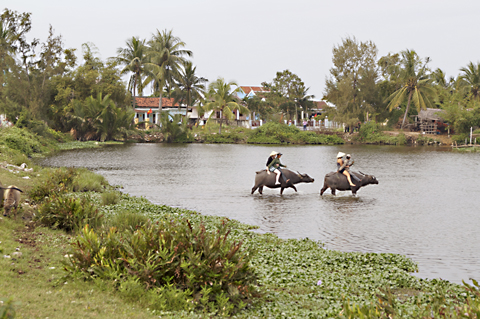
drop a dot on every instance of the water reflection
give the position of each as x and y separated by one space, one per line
424 206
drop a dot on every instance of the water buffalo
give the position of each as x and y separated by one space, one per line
262 178
334 181
12 199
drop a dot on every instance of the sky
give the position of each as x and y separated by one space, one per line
249 41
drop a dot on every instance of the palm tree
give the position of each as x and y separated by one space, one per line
222 99
416 85
470 80
167 53
134 59
304 100
190 85
99 118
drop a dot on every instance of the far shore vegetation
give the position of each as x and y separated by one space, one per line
50 89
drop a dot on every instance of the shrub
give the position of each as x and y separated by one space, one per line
55 182
371 133
166 298
68 213
25 142
63 180
277 133
110 198
206 265
461 138
85 181
127 220
308 137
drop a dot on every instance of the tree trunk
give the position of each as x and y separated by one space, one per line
134 89
408 107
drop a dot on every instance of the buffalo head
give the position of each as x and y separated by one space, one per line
372 179
305 178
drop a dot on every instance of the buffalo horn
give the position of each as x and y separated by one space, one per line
362 173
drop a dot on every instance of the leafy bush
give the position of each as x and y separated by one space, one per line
308 137
174 129
63 180
166 298
371 133
206 265
68 213
425 140
460 138
54 182
277 133
85 181
25 142
127 220
110 198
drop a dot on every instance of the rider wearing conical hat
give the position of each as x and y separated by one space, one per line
274 166
343 168
272 155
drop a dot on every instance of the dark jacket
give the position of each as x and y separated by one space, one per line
269 160
275 163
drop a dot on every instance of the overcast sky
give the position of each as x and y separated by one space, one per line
249 41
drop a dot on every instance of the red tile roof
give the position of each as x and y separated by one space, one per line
152 102
248 89
320 104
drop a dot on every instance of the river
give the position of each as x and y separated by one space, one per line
425 205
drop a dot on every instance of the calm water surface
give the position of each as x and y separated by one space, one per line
425 206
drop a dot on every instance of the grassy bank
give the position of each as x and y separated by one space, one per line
177 263
269 133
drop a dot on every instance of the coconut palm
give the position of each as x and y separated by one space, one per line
221 98
167 53
304 100
134 59
99 118
416 84
191 88
470 80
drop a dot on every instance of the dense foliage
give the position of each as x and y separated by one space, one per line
277 133
363 87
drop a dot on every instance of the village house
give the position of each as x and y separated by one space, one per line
430 121
249 91
147 109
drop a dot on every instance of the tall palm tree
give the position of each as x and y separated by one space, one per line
221 98
191 86
135 61
470 80
303 99
167 52
99 118
416 84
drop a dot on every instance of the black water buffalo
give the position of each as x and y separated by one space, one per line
334 181
262 178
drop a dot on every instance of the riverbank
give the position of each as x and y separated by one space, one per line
296 278
277 133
